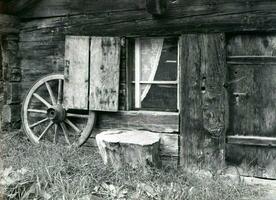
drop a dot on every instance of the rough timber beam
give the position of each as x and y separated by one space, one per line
15 6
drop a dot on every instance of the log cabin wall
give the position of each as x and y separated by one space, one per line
10 77
46 23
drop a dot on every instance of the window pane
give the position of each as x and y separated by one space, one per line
158 59
161 97
167 68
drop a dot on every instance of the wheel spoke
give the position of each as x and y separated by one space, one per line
37 111
39 122
53 99
76 115
39 128
64 129
59 91
45 130
55 135
42 100
73 125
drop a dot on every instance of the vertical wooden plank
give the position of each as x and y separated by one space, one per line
213 76
104 73
252 102
202 100
137 74
76 72
130 65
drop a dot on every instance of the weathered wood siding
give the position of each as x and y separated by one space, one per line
43 53
252 100
47 22
76 72
104 73
122 17
203 103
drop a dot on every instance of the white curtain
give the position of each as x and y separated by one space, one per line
151 49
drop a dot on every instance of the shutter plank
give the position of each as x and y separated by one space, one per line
76 72
104 73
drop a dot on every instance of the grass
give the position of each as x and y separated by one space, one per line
57 172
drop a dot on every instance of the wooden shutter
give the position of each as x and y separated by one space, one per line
202 99
76 72
104 73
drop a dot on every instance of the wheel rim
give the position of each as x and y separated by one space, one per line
44 116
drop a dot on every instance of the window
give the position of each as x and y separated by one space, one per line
154 77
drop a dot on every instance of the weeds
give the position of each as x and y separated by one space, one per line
59 172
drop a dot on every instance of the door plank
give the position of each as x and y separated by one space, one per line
76 72
104 73
252 103
252 140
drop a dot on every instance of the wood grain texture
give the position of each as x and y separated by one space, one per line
49 48
65 7
134 148
213 75
252 104
254 44
252 140
123 17
168 144
104 73
9 24
251 60
152 121
252 100
76 72
202 111
16 6
252 160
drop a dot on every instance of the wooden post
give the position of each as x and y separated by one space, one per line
203 100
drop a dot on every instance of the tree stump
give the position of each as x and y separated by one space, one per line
134 148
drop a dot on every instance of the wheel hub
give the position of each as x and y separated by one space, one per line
56 113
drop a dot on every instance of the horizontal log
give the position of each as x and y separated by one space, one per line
251 60
169 143
16 6
8 24
158 82
67 7
130 18
165 122
252 140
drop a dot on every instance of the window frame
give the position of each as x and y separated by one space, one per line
132 52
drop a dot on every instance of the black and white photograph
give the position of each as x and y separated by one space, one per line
137 100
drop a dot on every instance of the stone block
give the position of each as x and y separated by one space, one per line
11 117
14 74
13 93
129 147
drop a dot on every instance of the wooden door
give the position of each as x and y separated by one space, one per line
251 138
76 72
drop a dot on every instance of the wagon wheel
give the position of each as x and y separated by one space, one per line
44 116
